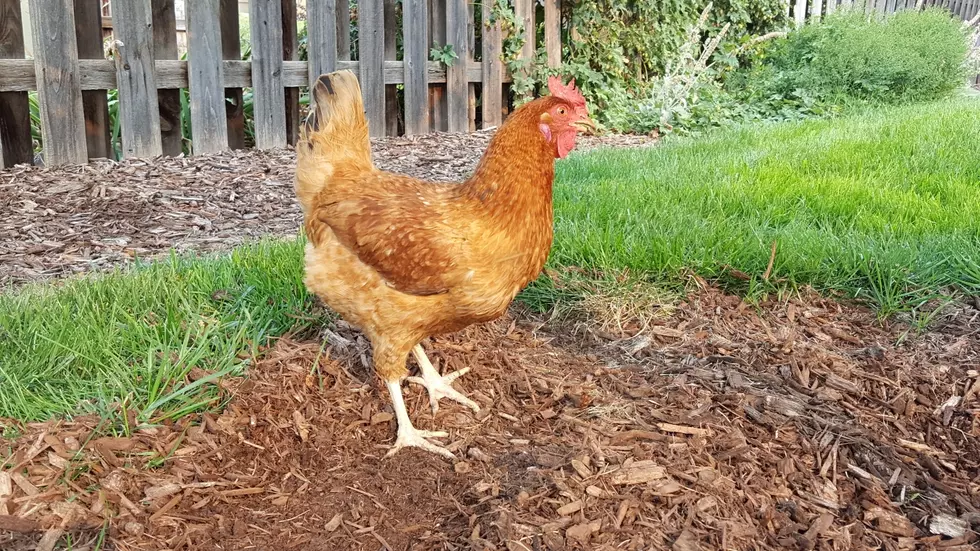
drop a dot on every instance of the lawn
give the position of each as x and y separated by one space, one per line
879 205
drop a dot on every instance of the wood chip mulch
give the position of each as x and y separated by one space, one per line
796 424
60 221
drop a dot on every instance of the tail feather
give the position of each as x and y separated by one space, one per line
334 138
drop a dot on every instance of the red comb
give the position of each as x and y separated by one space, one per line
567 92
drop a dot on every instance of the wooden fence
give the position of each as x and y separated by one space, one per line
807 10
71 74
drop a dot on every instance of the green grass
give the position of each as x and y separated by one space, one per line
883 206
133 337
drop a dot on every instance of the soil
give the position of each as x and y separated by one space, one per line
794 424
61 221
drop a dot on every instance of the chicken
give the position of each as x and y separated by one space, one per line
403 259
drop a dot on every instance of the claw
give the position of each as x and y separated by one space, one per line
408 435
440 386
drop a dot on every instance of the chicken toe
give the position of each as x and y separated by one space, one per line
408 435
439 386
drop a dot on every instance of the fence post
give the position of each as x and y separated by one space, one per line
552 32
269 99
165 47
321 31
16 145
371 52
438 37
58 82
415 38
457 87
139 119
524 10
95 103
205 77
290 52
492 70
799 13
392 108
231 49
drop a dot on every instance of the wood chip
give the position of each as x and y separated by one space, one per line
49 539
242 492
681 429
582 533
889 522
639 472
334 522
947 525
570 508
301 426
163 490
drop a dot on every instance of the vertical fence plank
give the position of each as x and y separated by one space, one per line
135 65
471 40
371 52
415 38
799 13
815 10
846 5
58 82
231 48
392 109
16 146
206 78
524 11
268 96
552 32
290 52
890 6
343 30
438 37
95 103
165 47
492 70
321 32
457 88
831 7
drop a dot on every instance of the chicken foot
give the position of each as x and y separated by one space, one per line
408 435
439 386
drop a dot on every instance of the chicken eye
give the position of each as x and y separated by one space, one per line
561 110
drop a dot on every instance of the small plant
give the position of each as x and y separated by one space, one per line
445 55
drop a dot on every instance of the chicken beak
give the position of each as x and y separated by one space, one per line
585 125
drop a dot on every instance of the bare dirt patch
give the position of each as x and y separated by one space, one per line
59 221
794 425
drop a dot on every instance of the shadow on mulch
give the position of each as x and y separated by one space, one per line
794 425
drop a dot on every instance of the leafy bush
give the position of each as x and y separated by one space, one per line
908 56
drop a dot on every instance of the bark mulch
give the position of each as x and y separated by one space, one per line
796 424
60 221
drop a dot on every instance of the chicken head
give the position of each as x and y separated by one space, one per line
561 122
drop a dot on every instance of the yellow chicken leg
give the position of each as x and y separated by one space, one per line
408 435
439 386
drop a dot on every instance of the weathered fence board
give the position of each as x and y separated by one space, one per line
321 29
268 97
343 30
492 70
95 103
17 75
205 76
457 14
231 50
552 32
416 53
133 48
438 37
60 92
15 114
290 52
165 47
392 106
371 51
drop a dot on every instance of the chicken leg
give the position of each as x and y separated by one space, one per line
439 386
408 435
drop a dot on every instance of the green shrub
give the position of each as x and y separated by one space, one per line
908 56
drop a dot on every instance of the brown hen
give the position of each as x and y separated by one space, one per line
404 259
